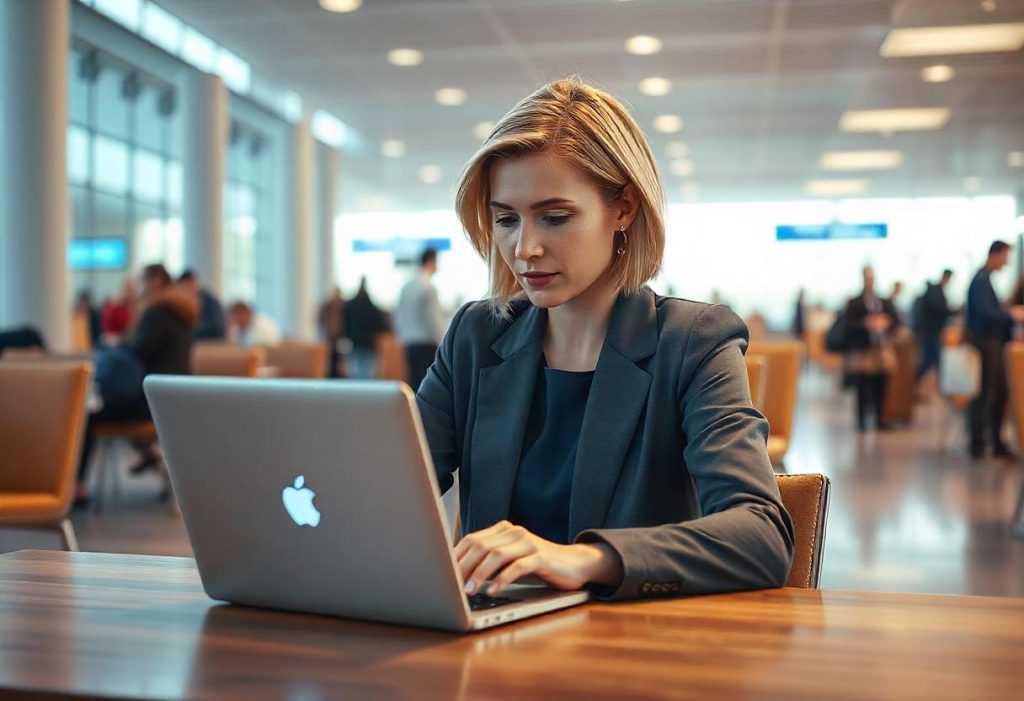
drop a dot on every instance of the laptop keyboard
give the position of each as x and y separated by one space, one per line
480 602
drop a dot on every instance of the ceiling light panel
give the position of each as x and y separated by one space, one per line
860 160
894 120
946 41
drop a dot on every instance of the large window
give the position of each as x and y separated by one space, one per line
247 196
123 166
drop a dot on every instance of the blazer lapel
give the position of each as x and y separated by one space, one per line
504 397
617 398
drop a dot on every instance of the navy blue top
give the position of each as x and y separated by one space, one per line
543 487
985 315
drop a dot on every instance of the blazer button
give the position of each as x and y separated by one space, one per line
645 588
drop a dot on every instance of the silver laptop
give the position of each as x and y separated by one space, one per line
320 497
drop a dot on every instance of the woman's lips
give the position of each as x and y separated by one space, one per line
539 279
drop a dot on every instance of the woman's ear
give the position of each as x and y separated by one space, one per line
627 207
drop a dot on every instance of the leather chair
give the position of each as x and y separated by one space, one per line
298 359
391 363
755 376
782 374
42 421
806 499
902 384
225 360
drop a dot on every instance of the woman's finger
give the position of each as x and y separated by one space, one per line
520 568
498 558
484 546
476 537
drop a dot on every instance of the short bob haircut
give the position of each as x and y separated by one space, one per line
593 130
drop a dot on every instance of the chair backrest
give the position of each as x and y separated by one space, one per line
225 360
42 421
755 376
1015 380
298 359
391 364
806 499
782 373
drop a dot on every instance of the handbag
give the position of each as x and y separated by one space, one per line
837 340
960 371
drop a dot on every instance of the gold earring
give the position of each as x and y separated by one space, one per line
622 247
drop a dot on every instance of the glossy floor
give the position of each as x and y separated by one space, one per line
909 511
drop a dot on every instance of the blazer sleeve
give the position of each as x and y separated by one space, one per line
744 538
436 402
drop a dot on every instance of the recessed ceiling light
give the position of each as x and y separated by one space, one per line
682 167
972 183
988 5
482 130
452 97
836 187
392 148
1015 159
678 149
860 160
405 57
430 174
643 45
894 120
945 41
668 123
341 5
937 74
655 87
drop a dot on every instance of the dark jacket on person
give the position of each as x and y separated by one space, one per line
162 339
934 311
212 325
364 321
672 468
858 336
986 317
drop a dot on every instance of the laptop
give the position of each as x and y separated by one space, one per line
320 497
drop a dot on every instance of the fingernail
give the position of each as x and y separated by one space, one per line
492 590
469 587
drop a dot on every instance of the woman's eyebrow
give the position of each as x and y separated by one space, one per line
535 205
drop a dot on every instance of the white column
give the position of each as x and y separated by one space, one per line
328 164
205 107
302 169
35 38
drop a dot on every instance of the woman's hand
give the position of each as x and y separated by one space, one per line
505 553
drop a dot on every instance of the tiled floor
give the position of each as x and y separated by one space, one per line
908 513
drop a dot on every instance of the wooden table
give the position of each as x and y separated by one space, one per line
88 625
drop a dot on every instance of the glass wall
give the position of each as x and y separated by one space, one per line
247 194
124 168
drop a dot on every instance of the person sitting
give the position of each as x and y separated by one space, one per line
603 434
249 327
211 326
161 342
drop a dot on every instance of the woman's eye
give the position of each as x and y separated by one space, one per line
556 219
505 222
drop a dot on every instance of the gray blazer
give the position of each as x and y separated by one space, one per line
672 468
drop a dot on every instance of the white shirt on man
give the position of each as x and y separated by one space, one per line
418 318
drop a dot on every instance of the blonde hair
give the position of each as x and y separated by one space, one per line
594 131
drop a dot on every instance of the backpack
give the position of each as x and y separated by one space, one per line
119 375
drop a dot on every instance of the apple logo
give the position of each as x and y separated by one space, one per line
298 502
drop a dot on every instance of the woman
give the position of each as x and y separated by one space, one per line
604 435
872 325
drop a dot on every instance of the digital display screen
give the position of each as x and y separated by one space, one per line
830 232
404 249
98 254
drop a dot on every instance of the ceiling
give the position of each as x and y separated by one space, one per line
760 84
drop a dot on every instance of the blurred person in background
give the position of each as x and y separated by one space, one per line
249 327
161 342
211 326
89 315
330 319
897 304
989 325
118 313
364 323
799 316
419 323
931 313
871 324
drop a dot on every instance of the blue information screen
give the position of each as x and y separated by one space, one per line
830 232
403 248
98 254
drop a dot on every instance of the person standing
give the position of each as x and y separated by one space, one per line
364 323
331 320
870 321
419 323
989 325
932 314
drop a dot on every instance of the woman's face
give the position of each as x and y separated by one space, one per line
552 227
